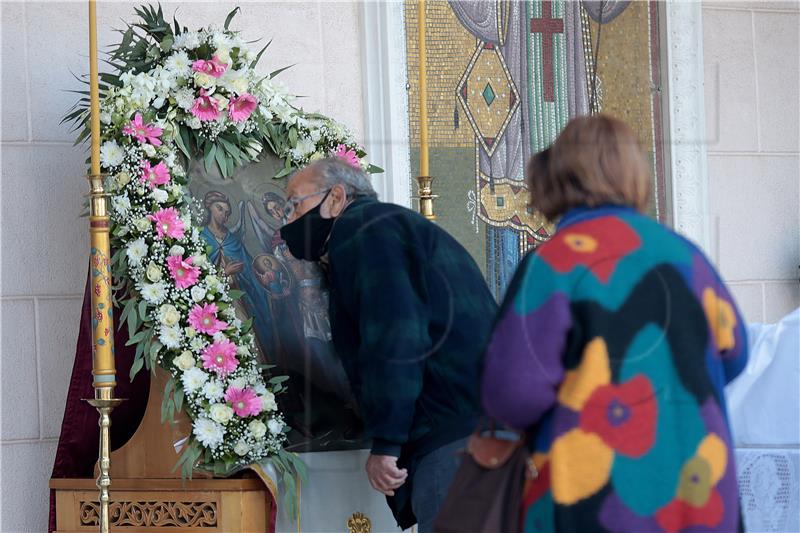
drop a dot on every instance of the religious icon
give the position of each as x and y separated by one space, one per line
286 299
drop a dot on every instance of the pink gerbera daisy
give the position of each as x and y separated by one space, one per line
168 223
204 319
205 107
245 402
220 357
154 175
182 272
241 107
348 156
143 132
213 67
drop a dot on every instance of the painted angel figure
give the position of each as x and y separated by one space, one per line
230 256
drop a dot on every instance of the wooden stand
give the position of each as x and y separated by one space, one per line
146 495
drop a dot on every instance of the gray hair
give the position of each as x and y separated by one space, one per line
333 171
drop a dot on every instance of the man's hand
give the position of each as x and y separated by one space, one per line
383 474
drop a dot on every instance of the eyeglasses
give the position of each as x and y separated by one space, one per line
291 203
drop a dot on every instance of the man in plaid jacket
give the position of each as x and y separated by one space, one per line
410 315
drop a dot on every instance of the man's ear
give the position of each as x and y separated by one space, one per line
337 199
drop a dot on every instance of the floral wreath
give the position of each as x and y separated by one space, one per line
179 94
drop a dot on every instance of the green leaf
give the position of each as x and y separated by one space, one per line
230 16
276 72
208 157
278 379
258 57
136 338
374 169
178 398
143 310
222 162
235 294
179 141
137 365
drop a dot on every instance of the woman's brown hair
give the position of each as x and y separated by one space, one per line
595 160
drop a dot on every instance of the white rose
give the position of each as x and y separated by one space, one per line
257 428
184 361
142 224
239 85
149 149
190 332
204 80
268 402
153 273
169 315
221 413
275 426
223 54
198 293
159 195
193 122
222 102
212 282
123 178
176 250
199 260
241 448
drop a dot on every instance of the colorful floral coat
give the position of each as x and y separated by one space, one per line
612 349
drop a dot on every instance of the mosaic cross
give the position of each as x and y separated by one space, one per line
547 26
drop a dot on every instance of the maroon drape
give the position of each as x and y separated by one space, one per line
79 440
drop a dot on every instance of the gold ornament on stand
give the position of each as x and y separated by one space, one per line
426 197
359 523
103 368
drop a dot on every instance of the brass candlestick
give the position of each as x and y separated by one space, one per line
426 197
104 371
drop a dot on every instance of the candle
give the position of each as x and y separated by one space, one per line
423 95
100 264
94 90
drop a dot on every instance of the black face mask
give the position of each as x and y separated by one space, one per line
307 236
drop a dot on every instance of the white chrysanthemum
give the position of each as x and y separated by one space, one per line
198 293
184 361
136 251
159 195
208 432
169 315
179 63
121 205
241 448
177 250
105 117
171 336
199 260
188 39
257 428
154 293
197 344
221 40
111 154
221 413
213 390
185 98
275 426
193 379
268 402
238 383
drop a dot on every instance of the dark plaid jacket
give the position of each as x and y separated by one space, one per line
411 315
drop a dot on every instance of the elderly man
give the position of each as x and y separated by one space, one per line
410 315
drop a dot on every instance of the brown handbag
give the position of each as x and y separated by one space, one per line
486 493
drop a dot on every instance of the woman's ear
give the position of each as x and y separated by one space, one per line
337 200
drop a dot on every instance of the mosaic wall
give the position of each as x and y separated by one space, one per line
503 79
